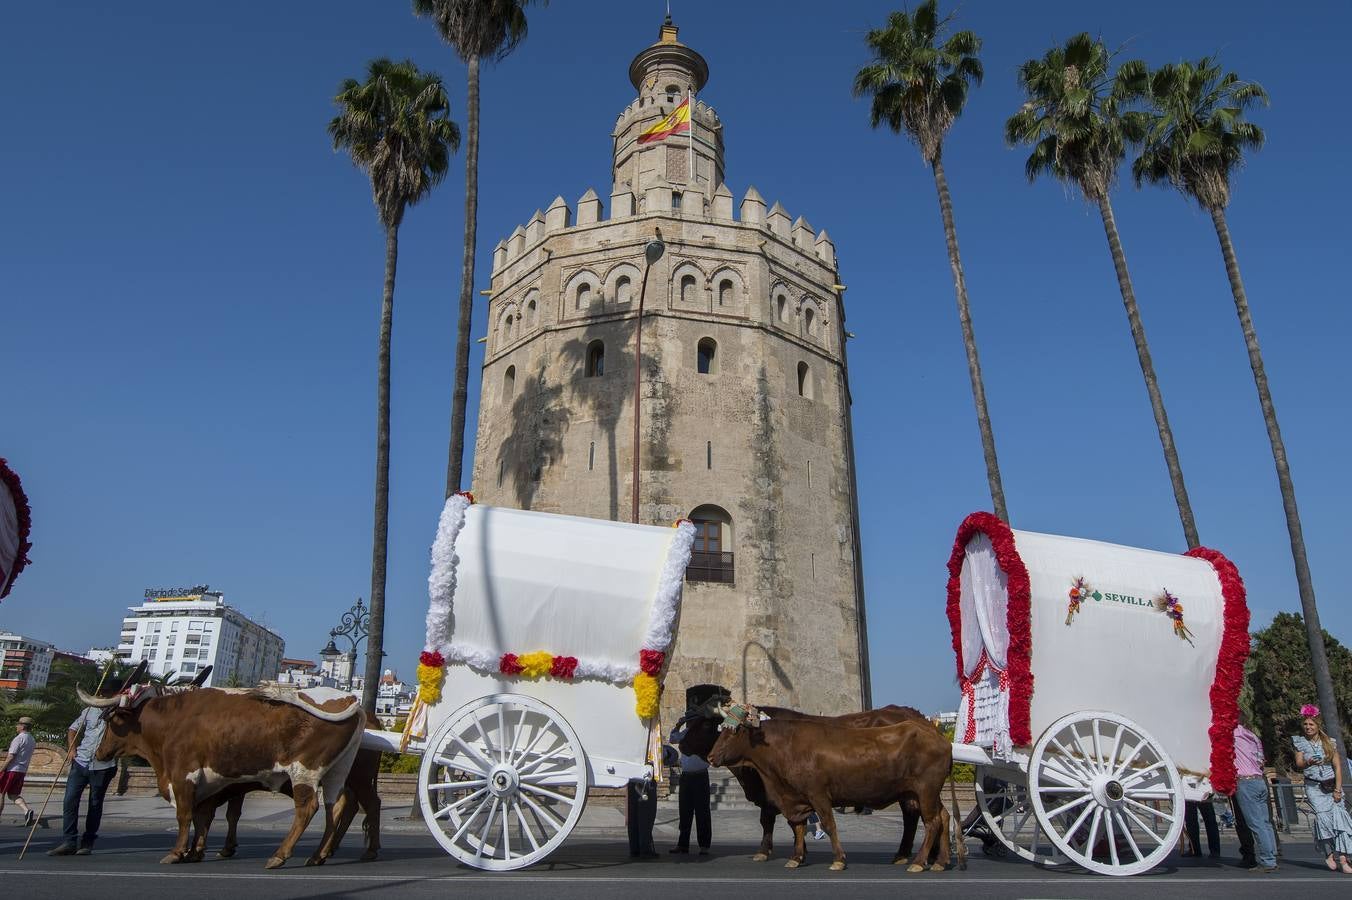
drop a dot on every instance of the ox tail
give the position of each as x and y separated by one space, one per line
956 825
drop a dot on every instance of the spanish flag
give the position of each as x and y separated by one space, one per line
677 122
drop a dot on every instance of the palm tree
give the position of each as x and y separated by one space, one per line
1194 140
918 81
479 30
396 126
1074 121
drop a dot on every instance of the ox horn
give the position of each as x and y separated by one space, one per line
135 675
100 702
200 677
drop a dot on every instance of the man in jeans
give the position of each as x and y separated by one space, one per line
85 772
1251 792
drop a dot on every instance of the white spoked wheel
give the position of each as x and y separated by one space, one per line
503 782
1106 793
1008 813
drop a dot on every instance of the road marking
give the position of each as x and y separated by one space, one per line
817 882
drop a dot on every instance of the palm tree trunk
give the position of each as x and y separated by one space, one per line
375 641
969 341
1313 633
1148 371
461 396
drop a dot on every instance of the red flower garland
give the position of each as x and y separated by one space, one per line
508 664
10 478
563 666
431 658
650 661
1019 662
1229 669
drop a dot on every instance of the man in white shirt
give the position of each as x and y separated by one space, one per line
15 767
85 772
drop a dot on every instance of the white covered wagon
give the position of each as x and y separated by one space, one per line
1100 689
546 640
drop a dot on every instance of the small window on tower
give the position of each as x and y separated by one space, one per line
688 289
675 199
583 296
624 290
704 356
596 359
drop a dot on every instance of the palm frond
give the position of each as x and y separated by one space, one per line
919 75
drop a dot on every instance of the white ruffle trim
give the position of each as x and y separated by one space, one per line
441 582
663 616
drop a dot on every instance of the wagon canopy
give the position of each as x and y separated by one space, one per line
1045 625
530 581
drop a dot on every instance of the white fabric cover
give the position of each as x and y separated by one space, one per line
985 607
601 713
1121 657
567 585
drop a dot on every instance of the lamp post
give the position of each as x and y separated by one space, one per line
651 254
354 625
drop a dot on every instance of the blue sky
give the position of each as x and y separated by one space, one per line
190 286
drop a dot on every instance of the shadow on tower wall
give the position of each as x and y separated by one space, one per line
606 395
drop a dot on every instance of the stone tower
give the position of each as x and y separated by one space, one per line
744 398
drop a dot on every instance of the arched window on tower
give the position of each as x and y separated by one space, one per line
711 559
706 356
725 292
782 307
624 290
808 317
530 314
507 328
804 381
596 359
509 383
583 295
688 289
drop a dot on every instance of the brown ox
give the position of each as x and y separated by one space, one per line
809 765
702 732
358 791
202 741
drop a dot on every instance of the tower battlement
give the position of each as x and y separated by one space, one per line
658 201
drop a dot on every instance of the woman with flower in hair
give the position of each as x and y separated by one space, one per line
1316 754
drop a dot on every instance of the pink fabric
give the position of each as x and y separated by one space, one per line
1248 752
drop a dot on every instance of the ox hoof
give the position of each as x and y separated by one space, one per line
793 864
315 861
760 857
194 857
937 867
838 866
915 867
275 863
370 855
171 860
225 853
901 860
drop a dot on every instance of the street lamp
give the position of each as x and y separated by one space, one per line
354 625
652 252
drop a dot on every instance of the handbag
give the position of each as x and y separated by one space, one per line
1328 785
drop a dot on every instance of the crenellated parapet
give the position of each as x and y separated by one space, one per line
591 212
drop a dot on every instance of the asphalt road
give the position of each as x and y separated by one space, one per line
412 866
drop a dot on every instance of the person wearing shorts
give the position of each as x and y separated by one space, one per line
15 767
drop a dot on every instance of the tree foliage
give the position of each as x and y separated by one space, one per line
919 76
396 126
1280 680
1074 115
1196 134
486 29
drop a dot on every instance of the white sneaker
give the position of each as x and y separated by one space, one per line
818 835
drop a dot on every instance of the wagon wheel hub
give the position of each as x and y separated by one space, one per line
503 781
1108 792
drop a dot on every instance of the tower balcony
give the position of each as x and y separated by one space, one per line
713 566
